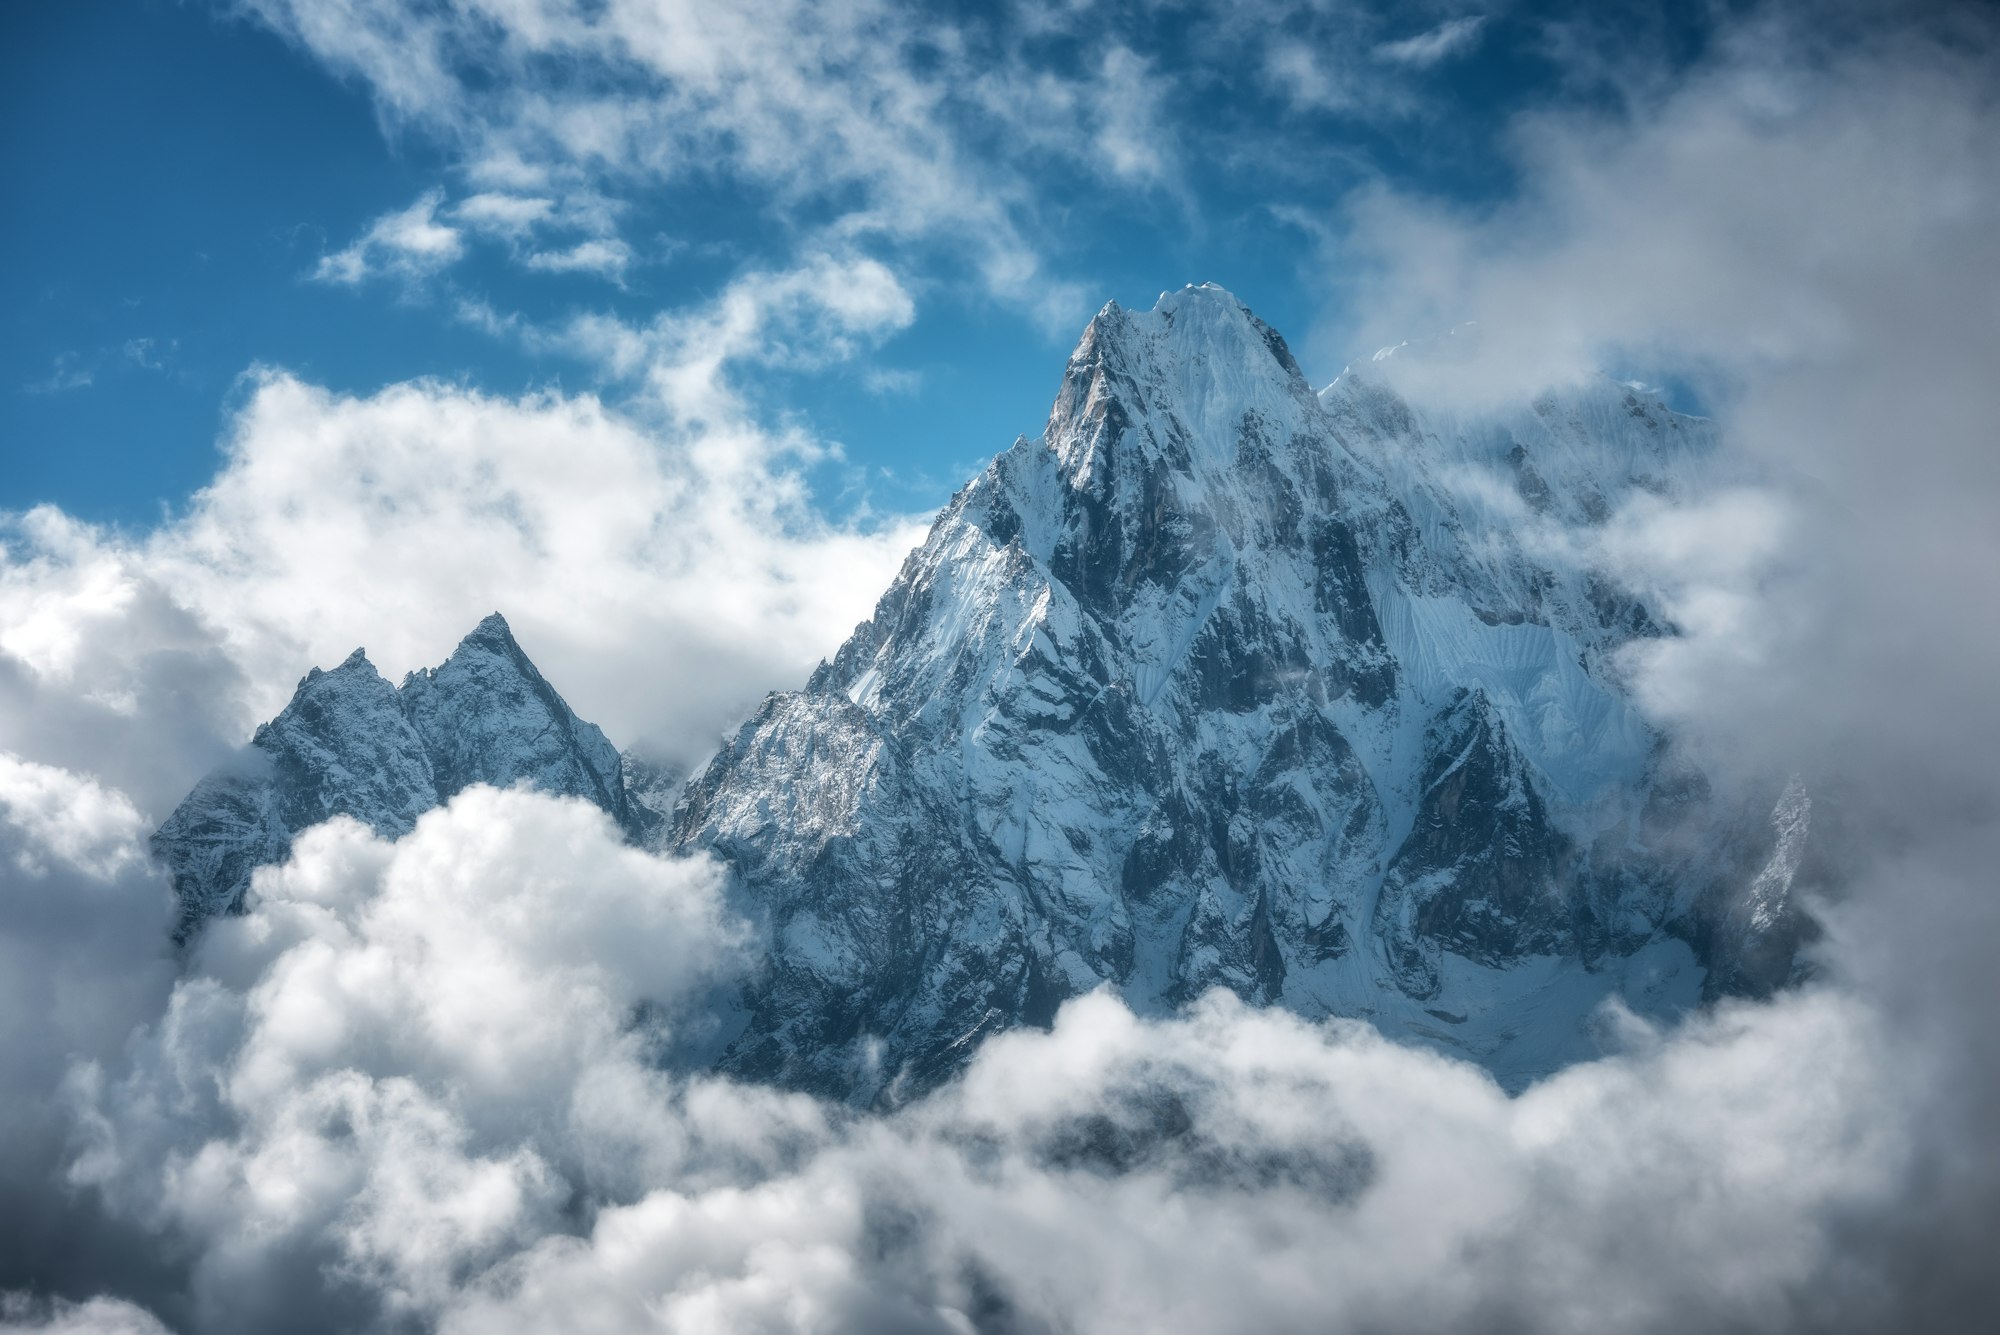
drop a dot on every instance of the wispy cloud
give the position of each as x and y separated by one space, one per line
150 354
1454 37
409 243
607 257
924 130
504 214
69 372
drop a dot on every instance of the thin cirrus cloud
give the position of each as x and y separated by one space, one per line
420 242
69 372
878 128
608 258
1450 38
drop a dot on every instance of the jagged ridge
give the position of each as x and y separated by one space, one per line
350 744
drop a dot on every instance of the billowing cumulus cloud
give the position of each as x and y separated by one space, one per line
1791 231
411 1058
661 559
423 1077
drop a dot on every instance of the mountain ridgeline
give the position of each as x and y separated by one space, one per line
350 744
1218 682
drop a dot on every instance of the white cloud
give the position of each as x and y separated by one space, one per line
823 311
1453 37
879 118
409 243
663 564
415 1070
69 372
67 818
150 354
502 213
1790 229
608 258
408 1056
21 1315
539 231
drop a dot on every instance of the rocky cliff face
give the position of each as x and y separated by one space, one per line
350 744
1218 682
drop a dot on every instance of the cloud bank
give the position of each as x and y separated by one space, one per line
420 1079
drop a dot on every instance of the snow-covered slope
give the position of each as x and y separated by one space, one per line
1220 682
351 744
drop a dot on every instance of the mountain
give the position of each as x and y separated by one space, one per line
350 744
1217 682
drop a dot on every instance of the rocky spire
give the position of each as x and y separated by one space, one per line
350 744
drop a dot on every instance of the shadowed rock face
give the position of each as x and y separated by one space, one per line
350 744
1217 682
1482 873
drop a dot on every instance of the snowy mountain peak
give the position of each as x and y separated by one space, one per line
356 663
1224 684
487 715
349 743
493 629
1184 382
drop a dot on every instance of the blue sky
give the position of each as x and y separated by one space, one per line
186 177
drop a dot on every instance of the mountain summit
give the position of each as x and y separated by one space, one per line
1221 683
350 744
1217 682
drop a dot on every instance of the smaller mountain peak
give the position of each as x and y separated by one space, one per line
1199 355
1210 294
358 660
493 630
492 639
1111 324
